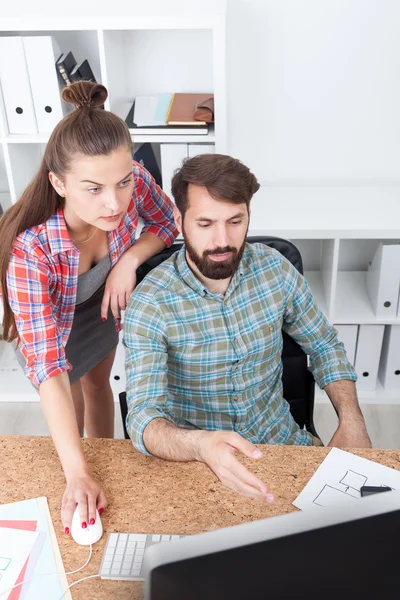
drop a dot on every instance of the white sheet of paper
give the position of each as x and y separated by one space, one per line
15 547
338 480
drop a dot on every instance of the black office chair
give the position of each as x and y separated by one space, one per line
297 379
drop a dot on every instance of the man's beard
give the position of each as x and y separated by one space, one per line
212 269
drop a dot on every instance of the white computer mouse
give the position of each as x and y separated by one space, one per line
90 535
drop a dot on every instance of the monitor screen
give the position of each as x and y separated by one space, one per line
358 559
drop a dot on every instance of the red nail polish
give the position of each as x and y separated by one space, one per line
66 530
101 510
92 521
103 319
84 525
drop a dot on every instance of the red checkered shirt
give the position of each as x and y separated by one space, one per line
42 276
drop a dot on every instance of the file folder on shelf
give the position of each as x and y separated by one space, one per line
347 334
383 280
369 346
16 87
41 54
389 368
172 156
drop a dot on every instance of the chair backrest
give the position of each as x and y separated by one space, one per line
298 382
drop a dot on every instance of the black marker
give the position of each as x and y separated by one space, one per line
368 490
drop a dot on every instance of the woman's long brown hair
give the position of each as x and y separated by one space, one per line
90 131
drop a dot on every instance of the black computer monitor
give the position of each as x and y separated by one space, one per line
324 553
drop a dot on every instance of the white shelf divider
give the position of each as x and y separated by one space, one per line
329 264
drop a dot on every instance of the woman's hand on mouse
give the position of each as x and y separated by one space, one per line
82 490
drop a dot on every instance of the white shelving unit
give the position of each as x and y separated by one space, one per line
337 230
131 56
137 54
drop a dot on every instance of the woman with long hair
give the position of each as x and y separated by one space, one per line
68 260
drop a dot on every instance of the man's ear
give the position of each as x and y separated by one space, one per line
178 219
57 184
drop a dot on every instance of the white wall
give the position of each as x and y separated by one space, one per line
313 85
314 90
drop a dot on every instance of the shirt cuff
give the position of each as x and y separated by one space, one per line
139 423
38 375
340 372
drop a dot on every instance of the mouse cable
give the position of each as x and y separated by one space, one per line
50 574
76 582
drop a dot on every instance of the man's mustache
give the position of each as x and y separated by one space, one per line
220 251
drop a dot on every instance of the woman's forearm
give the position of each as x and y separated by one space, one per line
144 248
58 407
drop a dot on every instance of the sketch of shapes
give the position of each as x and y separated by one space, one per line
4 563
331 496
354 480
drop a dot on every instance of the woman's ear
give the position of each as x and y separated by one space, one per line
57 184
178 219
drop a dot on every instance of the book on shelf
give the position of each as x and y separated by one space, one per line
64 66
163 129
82 71
191 109
152 111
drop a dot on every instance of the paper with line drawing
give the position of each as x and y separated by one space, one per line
338 480
15 547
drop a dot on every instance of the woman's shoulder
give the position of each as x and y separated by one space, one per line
31 238
39 240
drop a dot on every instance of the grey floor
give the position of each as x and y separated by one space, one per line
383 421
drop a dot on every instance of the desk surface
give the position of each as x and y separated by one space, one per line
150 495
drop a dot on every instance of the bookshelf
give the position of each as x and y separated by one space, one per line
336 228
135 54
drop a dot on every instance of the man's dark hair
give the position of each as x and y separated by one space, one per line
225 178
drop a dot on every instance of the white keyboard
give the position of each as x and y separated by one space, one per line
124 553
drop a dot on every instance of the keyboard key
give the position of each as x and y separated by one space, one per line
174 537
165 538
119 552
141 544
139 552
112 540
155 538
123 537
137 559
129 552
125 572
131 544
114 571
137 537
135 572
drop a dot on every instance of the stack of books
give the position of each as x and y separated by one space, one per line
172 114
70 71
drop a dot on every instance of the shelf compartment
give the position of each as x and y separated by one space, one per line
352 301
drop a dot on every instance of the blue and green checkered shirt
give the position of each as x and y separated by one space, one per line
212 361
